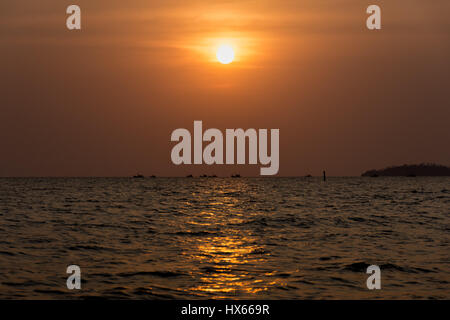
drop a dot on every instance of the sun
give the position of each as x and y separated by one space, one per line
225 54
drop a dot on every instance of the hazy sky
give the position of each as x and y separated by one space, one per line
103 101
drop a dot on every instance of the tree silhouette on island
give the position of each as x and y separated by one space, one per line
412 170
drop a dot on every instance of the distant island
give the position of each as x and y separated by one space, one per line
413 170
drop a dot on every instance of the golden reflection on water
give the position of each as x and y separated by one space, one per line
223 260
226 254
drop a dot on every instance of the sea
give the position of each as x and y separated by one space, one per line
225 238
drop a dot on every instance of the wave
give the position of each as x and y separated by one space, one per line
161 274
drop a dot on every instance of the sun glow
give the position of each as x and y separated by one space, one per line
225 54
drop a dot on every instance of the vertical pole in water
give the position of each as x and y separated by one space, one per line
324 176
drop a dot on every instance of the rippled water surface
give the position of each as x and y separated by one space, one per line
247 238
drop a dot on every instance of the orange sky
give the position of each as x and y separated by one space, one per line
103 101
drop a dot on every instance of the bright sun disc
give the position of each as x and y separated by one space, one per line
225 54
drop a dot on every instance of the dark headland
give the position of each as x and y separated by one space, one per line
410 170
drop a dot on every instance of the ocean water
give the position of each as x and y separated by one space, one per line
244 238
